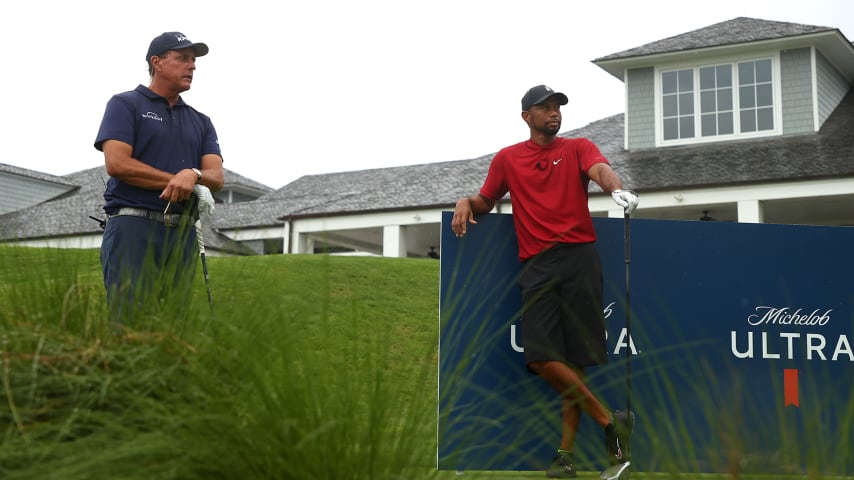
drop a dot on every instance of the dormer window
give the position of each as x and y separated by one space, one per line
717 102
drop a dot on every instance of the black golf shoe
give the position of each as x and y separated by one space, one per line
618 436
561 466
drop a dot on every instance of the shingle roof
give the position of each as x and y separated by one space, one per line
69 215
412 186
236 179
33 174
730 32
55 218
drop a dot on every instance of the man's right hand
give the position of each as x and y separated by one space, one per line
463 215
180 186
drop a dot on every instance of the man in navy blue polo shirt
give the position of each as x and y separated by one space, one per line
157 149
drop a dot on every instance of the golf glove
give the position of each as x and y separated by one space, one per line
626 199
206 200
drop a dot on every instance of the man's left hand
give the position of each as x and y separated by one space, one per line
626 199
205 198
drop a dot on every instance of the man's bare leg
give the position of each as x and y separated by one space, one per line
571 418
570 383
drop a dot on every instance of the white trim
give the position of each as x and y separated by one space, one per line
733 194
750 211
77 241
394 241
626 114
253 233
368 220
814 79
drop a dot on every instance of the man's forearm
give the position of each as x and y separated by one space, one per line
605 177
480 204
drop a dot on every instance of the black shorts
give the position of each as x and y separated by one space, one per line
562 313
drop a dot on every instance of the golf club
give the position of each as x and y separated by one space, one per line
627 242
623 470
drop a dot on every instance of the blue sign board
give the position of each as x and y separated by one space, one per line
741 350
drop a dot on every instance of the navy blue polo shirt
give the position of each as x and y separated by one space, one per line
167 138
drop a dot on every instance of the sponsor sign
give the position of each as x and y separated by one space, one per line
740 350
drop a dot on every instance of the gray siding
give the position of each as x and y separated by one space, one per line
640 108
796 89
18 192
832 87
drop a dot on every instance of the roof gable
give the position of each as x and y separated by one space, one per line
730 32
738 34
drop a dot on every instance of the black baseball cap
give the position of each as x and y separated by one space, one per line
174 41
539 94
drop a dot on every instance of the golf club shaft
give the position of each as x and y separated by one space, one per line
200 239
627 241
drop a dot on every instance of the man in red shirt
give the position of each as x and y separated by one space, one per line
563 325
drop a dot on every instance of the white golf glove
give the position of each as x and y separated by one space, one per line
626 199
205 198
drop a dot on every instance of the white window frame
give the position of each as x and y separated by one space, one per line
736 135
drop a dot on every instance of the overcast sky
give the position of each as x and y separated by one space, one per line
309 87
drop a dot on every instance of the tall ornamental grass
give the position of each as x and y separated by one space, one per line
307 367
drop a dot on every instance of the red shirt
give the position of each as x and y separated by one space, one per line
548 190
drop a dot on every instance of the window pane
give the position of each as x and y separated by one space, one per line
746 97
707 125
765 119
745 73
725 123
707 102
686 80
763 71
724 73
763 95
686 103
725 99
707 78
668 106
686 127
748 121
668 82
671 130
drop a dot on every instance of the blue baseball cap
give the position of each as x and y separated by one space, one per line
174 41
539 94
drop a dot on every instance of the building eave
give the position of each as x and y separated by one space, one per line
832 44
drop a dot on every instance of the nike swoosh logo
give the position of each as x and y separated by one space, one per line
556 161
